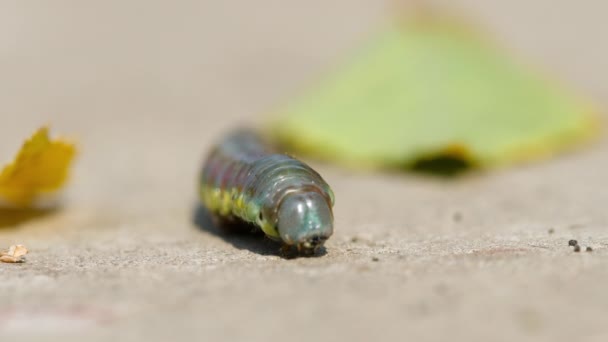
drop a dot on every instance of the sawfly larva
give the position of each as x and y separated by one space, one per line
243 179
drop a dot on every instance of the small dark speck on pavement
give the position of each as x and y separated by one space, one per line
457 216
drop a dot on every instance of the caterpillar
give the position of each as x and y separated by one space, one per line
245 180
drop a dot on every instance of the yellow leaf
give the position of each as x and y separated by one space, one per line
41 167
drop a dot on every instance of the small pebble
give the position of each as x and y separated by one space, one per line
589 249
375 259
577 248
551 230
572 243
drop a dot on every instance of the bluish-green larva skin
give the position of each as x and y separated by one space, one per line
289 201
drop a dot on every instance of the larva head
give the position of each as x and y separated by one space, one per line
305 219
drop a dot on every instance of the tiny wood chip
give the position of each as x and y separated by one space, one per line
14 254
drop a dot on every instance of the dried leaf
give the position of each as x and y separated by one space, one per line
41 167
15 254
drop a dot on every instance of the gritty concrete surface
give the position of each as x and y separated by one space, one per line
147 86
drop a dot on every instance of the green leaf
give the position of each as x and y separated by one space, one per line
426 93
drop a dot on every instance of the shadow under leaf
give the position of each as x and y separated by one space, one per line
10 218
441 166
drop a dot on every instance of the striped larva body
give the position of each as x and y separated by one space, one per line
245 180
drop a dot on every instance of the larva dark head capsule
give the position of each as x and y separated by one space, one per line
305 220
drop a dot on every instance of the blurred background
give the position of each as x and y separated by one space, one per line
161 82
146 87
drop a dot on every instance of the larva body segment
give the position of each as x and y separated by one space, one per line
244 179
